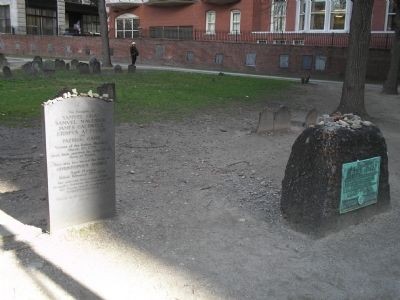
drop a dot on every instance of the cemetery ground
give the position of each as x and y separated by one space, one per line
198 212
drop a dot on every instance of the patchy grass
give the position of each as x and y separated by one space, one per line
144 96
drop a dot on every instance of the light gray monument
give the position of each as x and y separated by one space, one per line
274 119
80 159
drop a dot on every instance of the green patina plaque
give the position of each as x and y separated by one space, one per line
360 182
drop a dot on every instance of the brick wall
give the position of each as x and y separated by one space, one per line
237 57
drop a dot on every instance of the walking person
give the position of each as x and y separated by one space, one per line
134 53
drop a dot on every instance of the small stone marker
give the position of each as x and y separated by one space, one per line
271 120
265 121
29 69
337 175
83 68
282 118
94 66
39 61
107 89
131 69
80 149
59 64
117 69
311 118
49 66
7 72
74 64
3 60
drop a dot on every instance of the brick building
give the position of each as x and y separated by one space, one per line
49 17
222 19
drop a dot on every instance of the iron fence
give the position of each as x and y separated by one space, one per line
378 40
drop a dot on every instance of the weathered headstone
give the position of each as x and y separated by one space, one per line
29 69
7 72
335 167
131 69
83 68
274 119
79 142
36 66
117 69
74 64
107 90
311 118
38 60
3 60
265 121
94 66
282 118
49 67
59 64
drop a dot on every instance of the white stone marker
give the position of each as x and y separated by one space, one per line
80 160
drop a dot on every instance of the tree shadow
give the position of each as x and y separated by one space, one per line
23 251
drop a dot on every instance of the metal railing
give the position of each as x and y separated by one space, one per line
378 40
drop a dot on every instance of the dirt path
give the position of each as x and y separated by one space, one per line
198 217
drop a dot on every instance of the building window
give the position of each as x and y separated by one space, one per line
318 10
210 22
323 15
302 15
41 21
338 14
390 15
91 24
235 21
278 15
127 26
284 61
5 23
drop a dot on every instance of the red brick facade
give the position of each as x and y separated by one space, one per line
255 15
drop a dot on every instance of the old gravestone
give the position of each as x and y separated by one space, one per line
337 175
7 72
74 64
274 119
83 68
59 64
79 142
29 69
117 69
49 66
3 60
131 68
94 66
311 118
38 61
107 90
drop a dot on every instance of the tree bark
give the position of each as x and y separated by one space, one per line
392 79
352 99
105 43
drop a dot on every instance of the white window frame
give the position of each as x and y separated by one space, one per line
332 14
299 13
387 14
124 17
280 16
328 16
210 23
232 24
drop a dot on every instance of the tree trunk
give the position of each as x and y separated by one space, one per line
105 44
352 99
392 80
